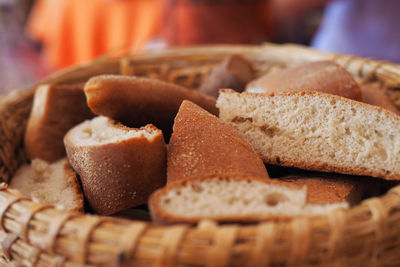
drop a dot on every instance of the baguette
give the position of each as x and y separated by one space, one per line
55 110
138 101
317 131
119 167
202 144
54 184
234 72
323 76
231 198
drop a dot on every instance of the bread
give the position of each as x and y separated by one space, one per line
375 95
202 144
227 198
55 110
119 167
323 189
323 76
317 131
54 184
138 101
234 72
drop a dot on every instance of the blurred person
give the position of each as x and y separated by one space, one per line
190 22
76 31
368 28
365 28
19 57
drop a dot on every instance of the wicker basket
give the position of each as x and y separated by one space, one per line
39 235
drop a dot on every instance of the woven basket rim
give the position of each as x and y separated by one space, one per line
379 209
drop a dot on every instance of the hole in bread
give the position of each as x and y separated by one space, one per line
378 133
241 119
269 131
354 111
333 101
347 131
313 129
197 188
274 199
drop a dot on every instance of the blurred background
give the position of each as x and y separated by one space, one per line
40 36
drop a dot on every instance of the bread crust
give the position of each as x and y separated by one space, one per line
323 76
137 101
73 183
119 175
55 110
374 95
328 188
202 144
234 72
159 216
318 165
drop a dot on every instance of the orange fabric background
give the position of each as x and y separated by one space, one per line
75 31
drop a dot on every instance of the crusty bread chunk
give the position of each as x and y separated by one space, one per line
203 144
137 101
54 184
234 72
119 166
373 94
55 110
317 131
322 76
228 198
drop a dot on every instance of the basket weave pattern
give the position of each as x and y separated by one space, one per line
38 235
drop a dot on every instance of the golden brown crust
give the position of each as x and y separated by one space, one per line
374 95
119 175
234 72
56 109
137 101
202 144
161 217
328 188
323 76
73 182
319 165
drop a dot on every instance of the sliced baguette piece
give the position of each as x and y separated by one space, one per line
119 166
202 144
231 198
54 184
317 131
234 72
137 101
55 110
323 76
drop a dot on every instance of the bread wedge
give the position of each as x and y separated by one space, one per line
137 101
119 166
322 76
234 72
317 131
54 184
55 110
202 144
230 198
